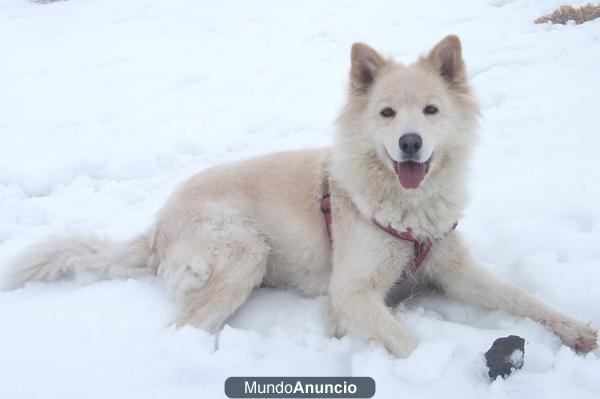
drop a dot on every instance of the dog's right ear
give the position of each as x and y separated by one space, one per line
366 63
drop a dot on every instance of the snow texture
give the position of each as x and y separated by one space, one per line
106 105
516 358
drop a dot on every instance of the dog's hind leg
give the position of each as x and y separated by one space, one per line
216 269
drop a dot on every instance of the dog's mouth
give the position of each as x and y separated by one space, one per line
411 173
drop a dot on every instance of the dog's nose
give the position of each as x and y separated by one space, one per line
410 143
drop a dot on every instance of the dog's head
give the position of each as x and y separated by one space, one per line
413 118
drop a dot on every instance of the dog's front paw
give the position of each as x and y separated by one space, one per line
578 336
402 348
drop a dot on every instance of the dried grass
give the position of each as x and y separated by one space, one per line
568 13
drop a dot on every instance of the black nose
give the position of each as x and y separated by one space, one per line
410 143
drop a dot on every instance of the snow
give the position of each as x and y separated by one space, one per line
516 358
107 105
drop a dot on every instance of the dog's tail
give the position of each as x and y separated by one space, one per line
67 255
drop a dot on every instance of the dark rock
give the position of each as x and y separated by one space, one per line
505 355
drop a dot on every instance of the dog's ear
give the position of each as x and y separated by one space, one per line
446 58
366 63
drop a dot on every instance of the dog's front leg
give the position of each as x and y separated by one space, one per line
362 312
364 269
452 268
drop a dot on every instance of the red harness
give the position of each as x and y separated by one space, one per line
421 248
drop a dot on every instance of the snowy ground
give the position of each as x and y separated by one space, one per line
105 105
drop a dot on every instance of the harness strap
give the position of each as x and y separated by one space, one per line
421 248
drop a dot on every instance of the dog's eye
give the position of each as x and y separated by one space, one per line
387 112
430 110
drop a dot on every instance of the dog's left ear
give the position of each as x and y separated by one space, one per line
446 58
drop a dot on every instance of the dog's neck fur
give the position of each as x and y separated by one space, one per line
428 211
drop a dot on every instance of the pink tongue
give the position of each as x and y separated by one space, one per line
411 174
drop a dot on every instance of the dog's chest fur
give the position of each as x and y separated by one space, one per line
428 212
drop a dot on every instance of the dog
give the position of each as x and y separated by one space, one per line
353 221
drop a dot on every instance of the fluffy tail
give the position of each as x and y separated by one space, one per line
57 257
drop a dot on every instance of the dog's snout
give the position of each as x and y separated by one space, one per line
410 143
